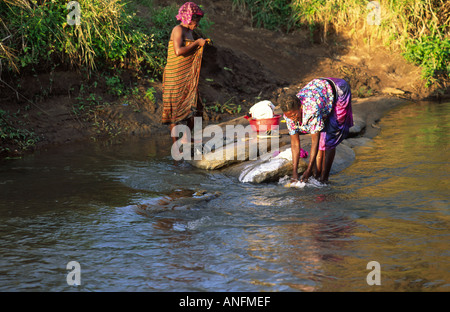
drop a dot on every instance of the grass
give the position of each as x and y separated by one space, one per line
37 37
40 35
14 136
418 29
227 107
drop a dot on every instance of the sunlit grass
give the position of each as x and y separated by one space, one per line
418 29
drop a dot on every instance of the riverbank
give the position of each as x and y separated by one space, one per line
244 65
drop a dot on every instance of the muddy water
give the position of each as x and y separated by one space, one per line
78 203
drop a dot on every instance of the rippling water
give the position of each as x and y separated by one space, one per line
78 203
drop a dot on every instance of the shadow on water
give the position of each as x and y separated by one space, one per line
136 220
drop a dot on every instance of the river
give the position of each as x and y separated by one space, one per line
78 203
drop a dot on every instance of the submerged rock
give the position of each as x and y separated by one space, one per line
358 126
356 142
271 166
181 199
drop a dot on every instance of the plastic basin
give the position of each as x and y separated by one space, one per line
264 124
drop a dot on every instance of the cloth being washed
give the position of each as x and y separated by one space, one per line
262 110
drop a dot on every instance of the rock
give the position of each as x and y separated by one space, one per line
355 142
181 199
393 91
270 168
235 152
358 125
345 156
240 144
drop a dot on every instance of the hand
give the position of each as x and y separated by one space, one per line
201 42
306 175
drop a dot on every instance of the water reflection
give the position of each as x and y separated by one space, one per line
127 213
301 251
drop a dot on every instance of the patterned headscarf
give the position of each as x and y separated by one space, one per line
187 10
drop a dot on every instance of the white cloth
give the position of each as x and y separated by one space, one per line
262 110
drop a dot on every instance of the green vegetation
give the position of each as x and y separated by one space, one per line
12 135
36 34
41 36
433 54
37 37
419 29
269 14
227 107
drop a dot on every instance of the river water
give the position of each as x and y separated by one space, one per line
78 203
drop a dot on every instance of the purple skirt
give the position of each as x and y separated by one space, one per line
340 119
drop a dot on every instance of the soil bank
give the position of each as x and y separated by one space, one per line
243 66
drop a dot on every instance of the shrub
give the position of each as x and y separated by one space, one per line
419 29
36 34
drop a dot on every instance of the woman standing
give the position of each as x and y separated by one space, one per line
323 109
181 75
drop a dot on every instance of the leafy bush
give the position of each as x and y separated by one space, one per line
269 14
419 29
433 54
38 36
14 135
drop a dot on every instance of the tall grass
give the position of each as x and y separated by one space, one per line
269 14
36 34
36 37
417 28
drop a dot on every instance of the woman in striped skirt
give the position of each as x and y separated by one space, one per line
181 75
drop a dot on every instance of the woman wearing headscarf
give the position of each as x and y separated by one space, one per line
322 108
181 75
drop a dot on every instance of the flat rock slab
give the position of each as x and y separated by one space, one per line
273 166
270 167
238 149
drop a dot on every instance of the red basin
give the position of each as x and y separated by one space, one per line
265 124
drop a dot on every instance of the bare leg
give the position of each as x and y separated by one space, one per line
319 164
329 158
312 157
174 139
183 140
295 148
190 123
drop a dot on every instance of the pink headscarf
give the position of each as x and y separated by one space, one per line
187 10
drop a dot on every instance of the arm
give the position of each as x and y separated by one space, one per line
295 149
312 159
177 37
